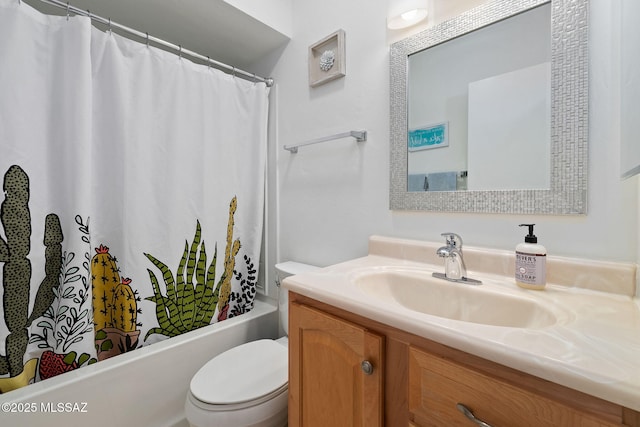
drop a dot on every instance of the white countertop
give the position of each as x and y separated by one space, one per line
594 346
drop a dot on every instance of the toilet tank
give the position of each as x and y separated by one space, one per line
284 270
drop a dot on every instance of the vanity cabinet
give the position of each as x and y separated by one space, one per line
437 386
335 371
416 382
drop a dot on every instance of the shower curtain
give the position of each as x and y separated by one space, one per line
132 197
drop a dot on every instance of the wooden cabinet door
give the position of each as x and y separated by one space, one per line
327 384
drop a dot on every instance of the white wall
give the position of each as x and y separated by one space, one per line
331 197
274 13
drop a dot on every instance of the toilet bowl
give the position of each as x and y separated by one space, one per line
247 385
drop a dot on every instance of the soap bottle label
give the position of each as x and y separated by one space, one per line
531 268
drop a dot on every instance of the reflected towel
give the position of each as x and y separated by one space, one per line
416 182
442 181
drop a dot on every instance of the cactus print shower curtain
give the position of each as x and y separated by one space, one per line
132 194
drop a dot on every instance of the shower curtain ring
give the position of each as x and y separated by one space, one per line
254 79
208 63
234 72
147 39
67 11
180 51
110 32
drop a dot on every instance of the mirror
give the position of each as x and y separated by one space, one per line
457 147
630 89
483 123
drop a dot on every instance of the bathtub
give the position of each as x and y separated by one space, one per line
144 388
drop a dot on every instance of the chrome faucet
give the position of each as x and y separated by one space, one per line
454 267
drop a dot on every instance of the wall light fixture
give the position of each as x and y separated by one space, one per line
407 18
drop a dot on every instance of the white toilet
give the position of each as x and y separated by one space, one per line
247 385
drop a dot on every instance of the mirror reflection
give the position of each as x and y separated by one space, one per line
479 108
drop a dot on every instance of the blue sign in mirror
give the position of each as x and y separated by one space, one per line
429 137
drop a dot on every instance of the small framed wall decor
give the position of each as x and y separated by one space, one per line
428 137
327 59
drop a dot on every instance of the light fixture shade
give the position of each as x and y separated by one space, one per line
407 18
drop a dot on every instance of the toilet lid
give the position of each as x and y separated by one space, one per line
244 373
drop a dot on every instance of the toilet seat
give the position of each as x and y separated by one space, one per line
244 376
271 413
238 406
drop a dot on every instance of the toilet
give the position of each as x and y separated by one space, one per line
247 385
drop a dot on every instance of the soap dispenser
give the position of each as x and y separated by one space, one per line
531 262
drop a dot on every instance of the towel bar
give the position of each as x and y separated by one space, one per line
360 136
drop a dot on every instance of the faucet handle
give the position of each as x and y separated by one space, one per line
453 239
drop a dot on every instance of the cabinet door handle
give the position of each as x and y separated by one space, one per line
467 413
367 367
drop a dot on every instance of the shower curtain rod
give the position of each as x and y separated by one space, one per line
235 71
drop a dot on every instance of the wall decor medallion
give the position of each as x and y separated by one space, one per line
327 59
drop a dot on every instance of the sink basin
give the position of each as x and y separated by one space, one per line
418 291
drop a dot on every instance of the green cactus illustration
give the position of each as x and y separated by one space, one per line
67 319
192 296
16 221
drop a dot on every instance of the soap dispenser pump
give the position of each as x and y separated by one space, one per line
531 262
